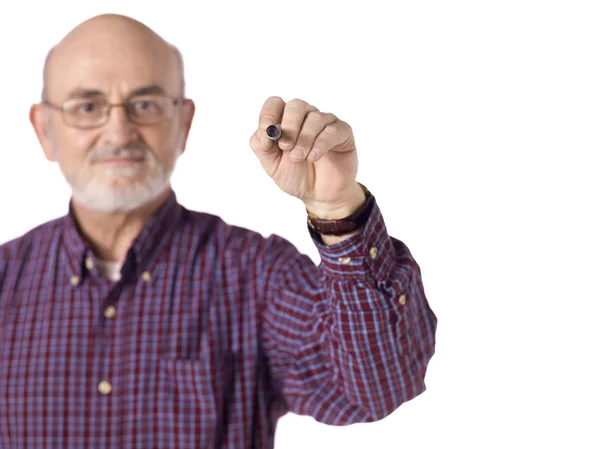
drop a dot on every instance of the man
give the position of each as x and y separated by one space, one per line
133 322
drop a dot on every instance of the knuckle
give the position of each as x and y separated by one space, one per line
315 115
297 102
269 117
331 128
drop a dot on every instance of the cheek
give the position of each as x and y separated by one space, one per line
163 145
71 147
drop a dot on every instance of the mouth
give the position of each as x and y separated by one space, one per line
120 161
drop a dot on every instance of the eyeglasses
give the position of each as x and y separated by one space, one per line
86 113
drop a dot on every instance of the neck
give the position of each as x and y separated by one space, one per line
112 234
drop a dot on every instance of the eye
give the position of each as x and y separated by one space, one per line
85 107
88 107
144 105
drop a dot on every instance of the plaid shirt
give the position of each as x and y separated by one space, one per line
212 334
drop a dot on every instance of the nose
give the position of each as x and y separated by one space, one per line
119 131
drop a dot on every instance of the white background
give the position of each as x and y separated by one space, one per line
477 125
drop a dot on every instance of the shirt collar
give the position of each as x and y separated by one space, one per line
145 247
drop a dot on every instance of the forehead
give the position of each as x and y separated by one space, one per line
112 69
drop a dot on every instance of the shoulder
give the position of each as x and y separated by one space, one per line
234 241
33 241
21 252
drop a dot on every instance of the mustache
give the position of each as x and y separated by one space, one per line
137 152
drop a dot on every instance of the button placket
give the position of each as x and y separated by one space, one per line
105 387
110 311
373 252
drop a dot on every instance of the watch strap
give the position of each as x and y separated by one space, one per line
345 225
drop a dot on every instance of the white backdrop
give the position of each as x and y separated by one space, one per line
477 125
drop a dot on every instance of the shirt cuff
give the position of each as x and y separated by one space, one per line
368 255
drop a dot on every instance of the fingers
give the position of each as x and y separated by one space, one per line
270 114
291 123
290 117
314 125
336 135
305 131
267 150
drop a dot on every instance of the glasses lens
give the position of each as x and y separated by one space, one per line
85 112
150 109
93 112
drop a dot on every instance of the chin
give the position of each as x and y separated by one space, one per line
126 197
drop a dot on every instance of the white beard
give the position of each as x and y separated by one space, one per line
101 196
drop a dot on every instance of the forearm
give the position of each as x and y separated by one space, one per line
350 339
381 329
382 337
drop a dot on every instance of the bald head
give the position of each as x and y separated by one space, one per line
108 36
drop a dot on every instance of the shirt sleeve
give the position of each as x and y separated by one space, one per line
348 340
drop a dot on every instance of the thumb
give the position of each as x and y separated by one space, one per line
267 150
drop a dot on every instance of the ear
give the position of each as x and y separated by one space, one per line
189 108
40 120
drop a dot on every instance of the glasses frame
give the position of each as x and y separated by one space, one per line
176 101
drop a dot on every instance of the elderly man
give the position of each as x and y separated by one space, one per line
133 322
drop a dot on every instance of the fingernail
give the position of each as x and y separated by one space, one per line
285 143
296 154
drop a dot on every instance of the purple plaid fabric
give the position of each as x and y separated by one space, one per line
211 335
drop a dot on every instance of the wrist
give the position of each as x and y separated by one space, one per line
346 219
340 209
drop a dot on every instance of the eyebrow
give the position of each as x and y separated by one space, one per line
84 93
88 93
148 90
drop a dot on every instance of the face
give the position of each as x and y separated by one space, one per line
119 158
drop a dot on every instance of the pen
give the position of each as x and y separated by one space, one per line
274 132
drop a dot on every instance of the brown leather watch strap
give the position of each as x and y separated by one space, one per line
345 225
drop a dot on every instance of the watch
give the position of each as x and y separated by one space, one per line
345 225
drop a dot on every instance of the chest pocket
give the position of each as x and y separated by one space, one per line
197 397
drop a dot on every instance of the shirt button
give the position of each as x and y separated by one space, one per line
146 276
402 299
74 280
345 260
89 263
104 387
110 312
373 252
